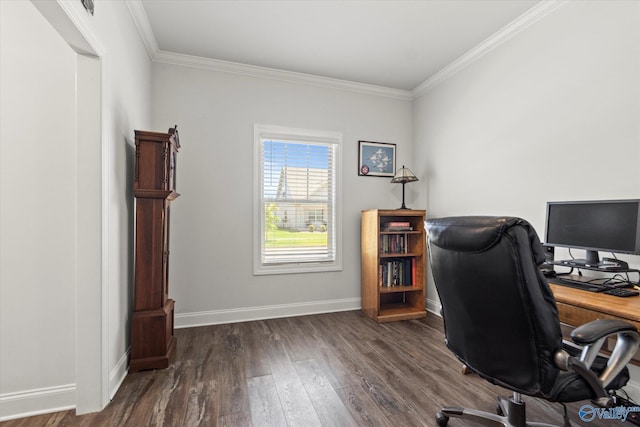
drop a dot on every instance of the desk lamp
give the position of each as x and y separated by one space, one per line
403 176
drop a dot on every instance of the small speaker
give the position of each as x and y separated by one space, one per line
547 267
549 253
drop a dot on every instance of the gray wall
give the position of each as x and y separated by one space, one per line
212 221
37 197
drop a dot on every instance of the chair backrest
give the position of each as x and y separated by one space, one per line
499 313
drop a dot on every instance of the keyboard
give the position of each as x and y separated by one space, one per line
621 292
585 286
617 290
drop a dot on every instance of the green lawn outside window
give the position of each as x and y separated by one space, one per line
283 238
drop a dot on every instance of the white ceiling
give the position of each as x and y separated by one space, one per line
395 44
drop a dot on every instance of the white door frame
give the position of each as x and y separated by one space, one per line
73 23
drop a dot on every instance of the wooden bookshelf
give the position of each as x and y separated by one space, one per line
393 259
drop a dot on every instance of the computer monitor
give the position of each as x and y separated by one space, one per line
599 225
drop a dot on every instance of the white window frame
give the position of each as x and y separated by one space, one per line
303 135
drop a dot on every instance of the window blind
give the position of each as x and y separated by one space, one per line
298 198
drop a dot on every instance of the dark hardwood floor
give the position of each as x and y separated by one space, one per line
338 369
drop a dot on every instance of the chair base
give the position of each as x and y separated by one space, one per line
511 412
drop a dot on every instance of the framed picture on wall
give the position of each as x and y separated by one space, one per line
376 159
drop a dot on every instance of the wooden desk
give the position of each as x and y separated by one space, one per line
577 307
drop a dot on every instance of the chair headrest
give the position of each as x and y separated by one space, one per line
472 233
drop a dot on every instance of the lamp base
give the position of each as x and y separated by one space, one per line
403 205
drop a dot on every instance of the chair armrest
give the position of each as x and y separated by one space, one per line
566 362
591 332
593 335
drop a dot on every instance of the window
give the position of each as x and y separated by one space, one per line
297 221
315 215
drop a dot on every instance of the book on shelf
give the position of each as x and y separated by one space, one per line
397 273
394 244
397 226
413 271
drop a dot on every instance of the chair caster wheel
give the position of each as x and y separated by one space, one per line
442 419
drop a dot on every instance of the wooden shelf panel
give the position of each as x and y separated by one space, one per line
393 312
400 255
394 289
402 232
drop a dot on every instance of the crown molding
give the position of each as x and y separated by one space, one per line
528 18
275 74
137 12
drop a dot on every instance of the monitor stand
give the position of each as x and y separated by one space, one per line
592 260
578 263
609 264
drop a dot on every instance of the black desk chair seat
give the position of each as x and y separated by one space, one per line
501 321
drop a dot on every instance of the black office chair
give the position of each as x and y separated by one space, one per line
501 321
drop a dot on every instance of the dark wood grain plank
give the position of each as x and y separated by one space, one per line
254 337
265 402
324 398
296 405
392 404
237 419
363 408
233 395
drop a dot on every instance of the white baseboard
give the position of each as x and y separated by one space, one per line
35 402
118 374
433 306
633 386
54 399
633 390
216 317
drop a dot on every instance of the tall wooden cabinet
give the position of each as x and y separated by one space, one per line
152 340
393 257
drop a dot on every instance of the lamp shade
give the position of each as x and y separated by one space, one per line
404 175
